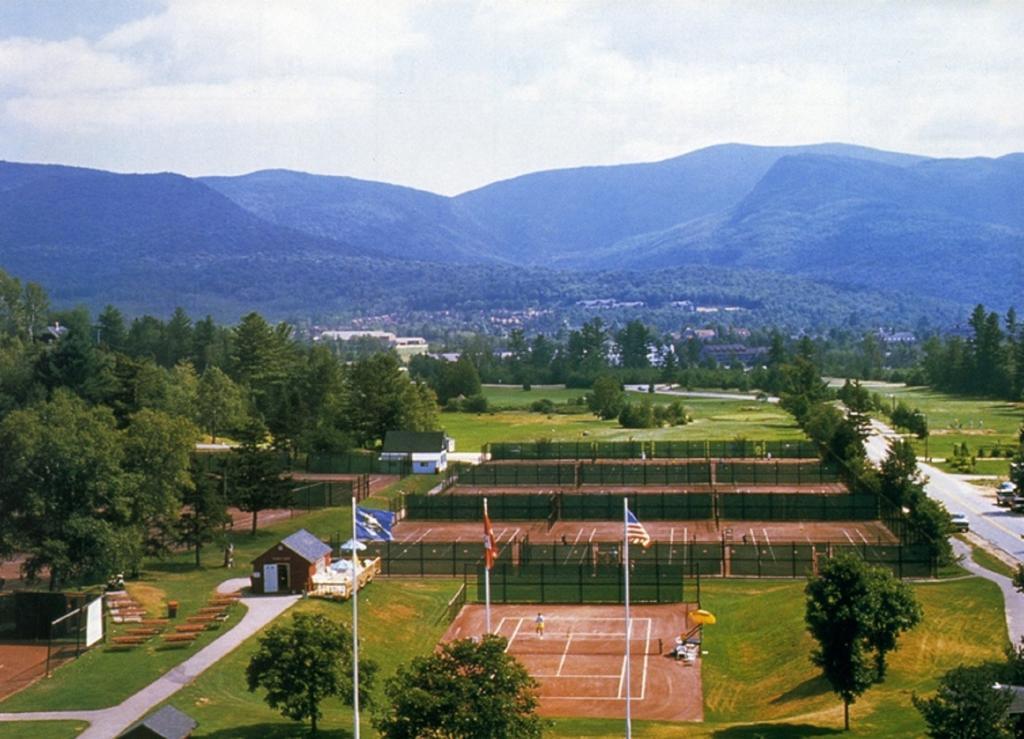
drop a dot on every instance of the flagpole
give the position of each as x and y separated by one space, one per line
629 623
487 575
355 622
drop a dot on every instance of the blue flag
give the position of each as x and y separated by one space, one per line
374 525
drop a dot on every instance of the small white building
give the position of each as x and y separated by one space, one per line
426 450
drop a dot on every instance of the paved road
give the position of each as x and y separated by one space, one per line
669 390
109 722
997 525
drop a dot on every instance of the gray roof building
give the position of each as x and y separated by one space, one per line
307 546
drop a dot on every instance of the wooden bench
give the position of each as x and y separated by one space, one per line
180 638
143 632
201 619
189 628
154 622
130 639
222 600
212 610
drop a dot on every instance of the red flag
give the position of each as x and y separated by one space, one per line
490 546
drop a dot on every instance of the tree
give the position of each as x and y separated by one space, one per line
606 398
835 601
892 609
158 449
204 509
463 690
64 498
256 474
303 662
634 341
457 378
853 609
381 398
219 402
967 706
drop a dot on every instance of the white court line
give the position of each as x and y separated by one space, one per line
753 538
578 535
647 655
847 533
771 550
500 534
622 678
671 538
515 633
565 653
574 676
861 534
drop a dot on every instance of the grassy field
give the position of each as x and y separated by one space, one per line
979 423
712 419
103 678
758 681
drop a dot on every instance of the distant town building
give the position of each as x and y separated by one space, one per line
729 354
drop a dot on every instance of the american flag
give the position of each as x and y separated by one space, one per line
635 531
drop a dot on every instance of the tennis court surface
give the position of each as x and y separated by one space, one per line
580 660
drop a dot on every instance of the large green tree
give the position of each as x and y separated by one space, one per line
852 610
606 398
158 450
380 397
219 402
256 482
65 499
967 706
463 690
305 661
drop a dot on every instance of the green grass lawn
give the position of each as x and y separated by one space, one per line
397 620
712 419
952 419
758 681
42 729
102 678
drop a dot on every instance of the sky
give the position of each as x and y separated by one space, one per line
450 95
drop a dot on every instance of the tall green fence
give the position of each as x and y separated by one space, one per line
518 474
559 506
645 473
775 473
682 449
796 507
721 558
542 583
356 462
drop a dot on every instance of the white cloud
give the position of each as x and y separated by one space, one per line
52 67
451 94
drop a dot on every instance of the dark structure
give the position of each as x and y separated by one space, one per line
289 566
427 451
167 723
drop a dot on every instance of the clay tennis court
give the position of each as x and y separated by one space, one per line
810 488
580 661
671 532
21 664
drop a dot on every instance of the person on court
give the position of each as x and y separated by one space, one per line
539 624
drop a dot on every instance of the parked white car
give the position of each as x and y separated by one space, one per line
960 522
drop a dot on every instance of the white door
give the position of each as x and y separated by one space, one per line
269 578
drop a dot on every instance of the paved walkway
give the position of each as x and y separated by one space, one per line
1012 600
109 722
